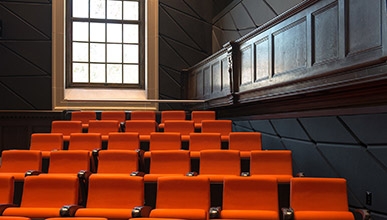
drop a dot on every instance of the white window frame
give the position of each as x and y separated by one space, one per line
101 99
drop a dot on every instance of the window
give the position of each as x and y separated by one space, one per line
102 97
105 43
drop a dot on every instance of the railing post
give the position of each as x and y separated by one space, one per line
233 58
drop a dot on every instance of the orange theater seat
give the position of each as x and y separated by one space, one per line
117 161
171 115
319 198
119 116
274 163
46 142
6 190
17 162
143 115
184 127
250 198
104 127
123 141
44 195
69 162
217 164
245 142
224 127
203 141
113 196
143 127
182 197
163 141
66 128
85 141
168 163
84 117
198 116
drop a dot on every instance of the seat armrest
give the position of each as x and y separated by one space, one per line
84 174
137 173
122 127
68 210
191 173
215 212
95 152
32 173
300 174
5 206
365 214
245 174
141 211
287 213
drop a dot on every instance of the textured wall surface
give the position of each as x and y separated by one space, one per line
25 55
349 146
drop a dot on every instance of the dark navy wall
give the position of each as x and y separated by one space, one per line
349 146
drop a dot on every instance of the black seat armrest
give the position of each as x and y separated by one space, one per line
95 152
141 211
84 174
287 213
137 173
191 173
5 206
32 173
300 174
68 210
245 174
215 212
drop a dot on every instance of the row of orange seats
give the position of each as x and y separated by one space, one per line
242 141
122 197
122 116
214 164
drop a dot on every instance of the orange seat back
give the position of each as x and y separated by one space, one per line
224 127
104 127
66 127
6 189
170 162
250 193
46 141
143 127
184 127
85 141
123 141
183 193
117 161
113 115
69 161
143 115
172 115
220 162
318 194
198 116
245 141
115 192
83 116
50 191
204 141
16 161
165 141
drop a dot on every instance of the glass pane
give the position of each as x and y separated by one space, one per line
130 53
114 73
130 33
114 53
131 74
97 9
97 32
114 33
80 31
81 8
80 73
97 52
97 73
81 52
114 9
130 10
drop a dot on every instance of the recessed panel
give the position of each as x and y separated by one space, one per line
207 81
247 67
262 59
216 77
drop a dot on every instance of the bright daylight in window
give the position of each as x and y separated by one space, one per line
105 44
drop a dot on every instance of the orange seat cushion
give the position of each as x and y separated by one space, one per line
179 213
249 214
323 215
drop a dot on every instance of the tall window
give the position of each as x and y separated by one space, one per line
105 43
